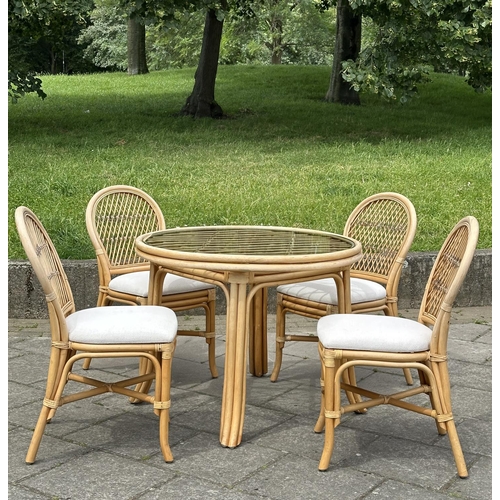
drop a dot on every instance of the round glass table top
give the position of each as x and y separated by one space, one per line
247 241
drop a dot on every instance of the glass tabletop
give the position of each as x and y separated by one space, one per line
248 240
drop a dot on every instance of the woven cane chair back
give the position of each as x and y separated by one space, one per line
385 224
115 217
45 261
449 270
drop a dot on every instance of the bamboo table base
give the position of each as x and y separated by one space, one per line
244 261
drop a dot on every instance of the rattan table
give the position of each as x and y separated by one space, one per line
244 261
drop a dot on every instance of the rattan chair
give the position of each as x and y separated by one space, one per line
351 340
115 217
385 225
147 333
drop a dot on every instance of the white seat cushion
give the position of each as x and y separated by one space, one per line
137 284
123 325
369 332
325 291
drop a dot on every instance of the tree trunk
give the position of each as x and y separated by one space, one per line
347 46
136 47
201 103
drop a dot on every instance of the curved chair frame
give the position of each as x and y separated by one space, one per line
115 217
113 332
385 225
401 343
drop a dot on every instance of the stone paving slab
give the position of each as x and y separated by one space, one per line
107 448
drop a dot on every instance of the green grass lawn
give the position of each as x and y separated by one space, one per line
282 157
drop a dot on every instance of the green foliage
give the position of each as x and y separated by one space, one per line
42 39
177 44
281 157
403 40
306 35
242 41
414 37
174 40
105 39
310 35
23 83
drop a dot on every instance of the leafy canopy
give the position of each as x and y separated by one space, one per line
409 38
33 21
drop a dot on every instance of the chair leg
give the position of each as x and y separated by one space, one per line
280 339
210 327
56 381
37 435
145 366
326 455
166 378
408 377
349 377
59 358
320 423
332 408
441 376
442 403
211 357
456 448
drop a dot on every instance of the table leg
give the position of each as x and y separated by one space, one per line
346 277
234 392
258 334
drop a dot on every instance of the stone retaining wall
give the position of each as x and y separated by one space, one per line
26 300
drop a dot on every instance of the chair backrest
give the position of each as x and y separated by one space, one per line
48 269
385 225
446 278
115 217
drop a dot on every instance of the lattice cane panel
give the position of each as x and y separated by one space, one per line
381 227
49 261
120 218
445 270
